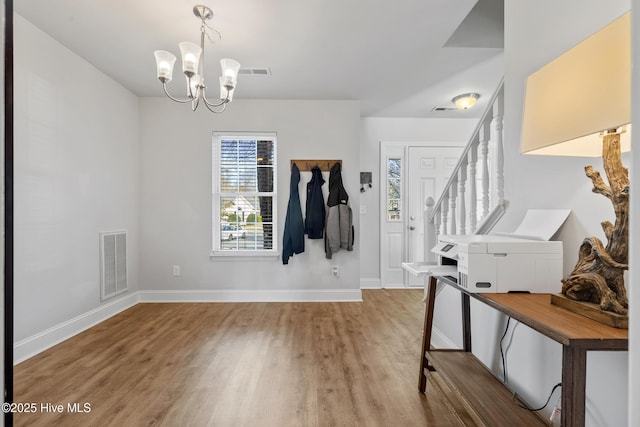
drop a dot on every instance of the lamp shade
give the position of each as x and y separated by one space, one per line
230 70
190 58
164 64
583 92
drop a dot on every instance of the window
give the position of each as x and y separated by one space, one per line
244 194
394 189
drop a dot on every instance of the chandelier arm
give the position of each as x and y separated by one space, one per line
213 104
182 101
211 107
194 104
208 103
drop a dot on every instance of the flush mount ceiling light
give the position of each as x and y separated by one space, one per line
466 100
193 66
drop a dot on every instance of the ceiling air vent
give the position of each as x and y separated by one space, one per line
443 109
254 72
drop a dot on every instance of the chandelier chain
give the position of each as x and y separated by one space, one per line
217 33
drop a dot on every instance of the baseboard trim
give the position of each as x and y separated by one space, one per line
30 346
394 286
269 295
370 283
440 340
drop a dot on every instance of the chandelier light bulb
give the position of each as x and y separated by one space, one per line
190 62
228 78
164 69
164 65
190 56
224 92
230 70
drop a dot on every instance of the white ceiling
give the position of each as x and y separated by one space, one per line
390 55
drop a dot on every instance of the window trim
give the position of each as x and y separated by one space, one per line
272 253
401 189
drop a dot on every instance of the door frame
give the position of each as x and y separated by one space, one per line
394 147
390 149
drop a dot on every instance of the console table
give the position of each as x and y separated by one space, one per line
576 333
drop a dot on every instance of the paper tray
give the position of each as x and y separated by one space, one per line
427 269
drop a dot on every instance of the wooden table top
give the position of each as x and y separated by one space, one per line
557 323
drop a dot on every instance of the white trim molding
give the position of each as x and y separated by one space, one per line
266 295
368 283
440 340
30 346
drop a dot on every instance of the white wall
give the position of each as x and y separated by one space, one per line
76 174
535 33
373 131
176 199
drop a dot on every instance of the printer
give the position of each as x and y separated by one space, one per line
502 263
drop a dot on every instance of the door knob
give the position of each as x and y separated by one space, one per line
411 227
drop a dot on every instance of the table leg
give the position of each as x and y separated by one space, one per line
466 322
574 374
426 333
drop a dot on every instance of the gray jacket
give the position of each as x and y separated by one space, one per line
339 232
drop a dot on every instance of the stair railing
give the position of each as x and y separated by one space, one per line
459 211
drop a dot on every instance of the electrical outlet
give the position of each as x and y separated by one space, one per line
335 270
176 270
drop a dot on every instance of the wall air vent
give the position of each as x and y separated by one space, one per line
254 72
113 264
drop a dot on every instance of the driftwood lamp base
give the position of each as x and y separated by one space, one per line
596 286
592 311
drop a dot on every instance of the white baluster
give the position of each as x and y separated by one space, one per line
436 222
498 114
462 181
453 190
473 196
445 212
485 133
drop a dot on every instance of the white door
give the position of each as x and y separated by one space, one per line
408 175
429 169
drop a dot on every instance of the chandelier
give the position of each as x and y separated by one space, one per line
193 65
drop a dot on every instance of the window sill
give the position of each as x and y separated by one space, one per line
243 256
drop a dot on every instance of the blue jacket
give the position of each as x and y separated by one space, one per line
315 212
293 238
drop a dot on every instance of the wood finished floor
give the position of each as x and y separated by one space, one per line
243 364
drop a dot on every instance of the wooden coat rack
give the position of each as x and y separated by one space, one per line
307 165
